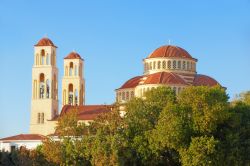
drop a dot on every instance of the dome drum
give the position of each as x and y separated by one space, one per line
154 65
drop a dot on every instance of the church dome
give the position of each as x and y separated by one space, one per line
73 55
45 42
203 80
170 51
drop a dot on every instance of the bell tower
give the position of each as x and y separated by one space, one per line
44 102
73 83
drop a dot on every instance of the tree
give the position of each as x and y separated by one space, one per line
201 152
68 150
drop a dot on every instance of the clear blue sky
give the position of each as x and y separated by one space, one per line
113 37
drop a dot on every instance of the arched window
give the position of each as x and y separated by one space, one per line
150 65
123 95
169 64
47 59
184 65
76 97
47 88
42 57
159 65
174 64
42 118
154 64
179 64
71 94
38 118
174 90
41 85
132 94
164 64
127 95
70 68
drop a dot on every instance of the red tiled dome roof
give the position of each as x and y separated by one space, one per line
203 80
45 42
156 78
73 55
132 83
164 78
170 51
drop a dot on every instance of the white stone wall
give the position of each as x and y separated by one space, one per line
29 144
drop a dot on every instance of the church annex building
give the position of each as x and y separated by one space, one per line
168 65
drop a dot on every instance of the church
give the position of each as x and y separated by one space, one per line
168 65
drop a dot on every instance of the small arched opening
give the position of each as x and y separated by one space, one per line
42 57
71 94
41 85
71 68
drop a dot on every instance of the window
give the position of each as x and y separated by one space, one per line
123 95
164 64
70 68
42 118
150 65
154 65
179 64
38 118
47 88
41 86
132 94
42 56
159 64
169 64
184 65
174 64
70 93
76 97
174 90
127 95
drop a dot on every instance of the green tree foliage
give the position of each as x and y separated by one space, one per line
68 149
197 127
201 152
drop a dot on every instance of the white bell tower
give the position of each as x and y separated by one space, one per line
73 83
44 102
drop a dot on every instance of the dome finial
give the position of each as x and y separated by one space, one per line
46 35
169 42
74 51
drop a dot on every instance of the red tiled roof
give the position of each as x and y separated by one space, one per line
45 42
203 80
164 78
132 83
156 78
24 137
73 55
86 112
170 51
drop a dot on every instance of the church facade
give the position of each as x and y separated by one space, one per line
168 65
